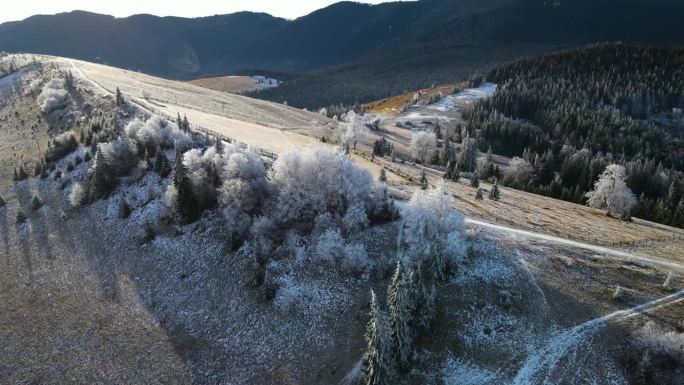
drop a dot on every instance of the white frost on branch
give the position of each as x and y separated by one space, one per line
315 181
53 97
157 132
353 131
423 146
433 227
611 192
518 173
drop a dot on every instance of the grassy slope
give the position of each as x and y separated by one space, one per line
88 304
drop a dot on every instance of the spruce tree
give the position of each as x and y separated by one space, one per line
451 172
185 198
383 176
119 98
423 180
494 194
101 179
20 218
401 305
678 216
478 195
475 181
378 363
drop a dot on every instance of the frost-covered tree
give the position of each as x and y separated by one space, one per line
356 217
112 160
611 192
423 146
157 132
77 195
381 207
316 181
53 96
378 362
401 305
519 173
332 248
467 157
351 132
433 230
244 186
669 283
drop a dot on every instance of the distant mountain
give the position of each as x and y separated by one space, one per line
426 41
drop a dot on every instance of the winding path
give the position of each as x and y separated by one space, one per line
662 262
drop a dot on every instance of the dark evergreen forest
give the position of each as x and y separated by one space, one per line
571 113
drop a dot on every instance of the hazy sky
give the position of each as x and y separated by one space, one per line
21 9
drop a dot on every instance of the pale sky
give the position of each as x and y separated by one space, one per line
290 9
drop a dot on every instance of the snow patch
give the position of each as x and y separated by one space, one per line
458 372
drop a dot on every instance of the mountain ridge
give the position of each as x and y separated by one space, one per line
363 51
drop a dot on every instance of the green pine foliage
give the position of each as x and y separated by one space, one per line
424 184
383 176
570 114
378 362
186 204
494 193
401 303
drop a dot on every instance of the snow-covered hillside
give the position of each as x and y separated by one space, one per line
148 249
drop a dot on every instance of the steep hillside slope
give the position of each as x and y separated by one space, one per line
105 280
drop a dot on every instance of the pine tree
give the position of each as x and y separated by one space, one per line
401 306
36 203
20 218
423 180
100 179
186 123
448 152
69 81
678 216
119 98
451 172
475 181
494 194
185 198
378 363
478 195
383 176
